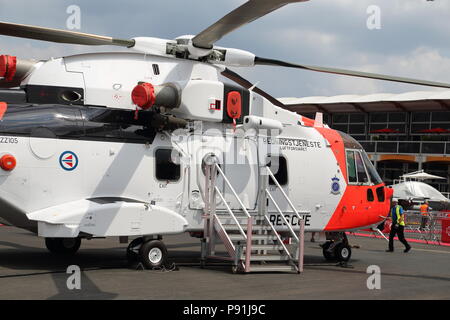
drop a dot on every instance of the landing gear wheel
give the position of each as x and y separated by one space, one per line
343 252
133 249
153 254
63 245
329 256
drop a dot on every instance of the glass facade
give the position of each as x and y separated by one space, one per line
392 126
404 133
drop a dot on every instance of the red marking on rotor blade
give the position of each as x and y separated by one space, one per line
3 108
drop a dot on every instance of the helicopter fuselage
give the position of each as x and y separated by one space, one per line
88 165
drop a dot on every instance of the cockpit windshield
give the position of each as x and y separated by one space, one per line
374 176
359 167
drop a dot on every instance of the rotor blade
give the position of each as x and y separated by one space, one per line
247 84
248 12
272 62
61 36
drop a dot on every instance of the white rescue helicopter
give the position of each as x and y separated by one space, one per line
152 142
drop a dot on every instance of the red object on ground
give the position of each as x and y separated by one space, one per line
445 235
396 238
387 226
7 162
8 65
143 95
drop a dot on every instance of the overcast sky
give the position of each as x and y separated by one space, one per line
414 39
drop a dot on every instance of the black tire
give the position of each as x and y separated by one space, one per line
329 256
343 252
133 249
153 254
63 245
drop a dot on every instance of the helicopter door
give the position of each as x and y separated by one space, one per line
241 169
200 147
238 159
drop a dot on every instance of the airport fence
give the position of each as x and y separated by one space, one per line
431 229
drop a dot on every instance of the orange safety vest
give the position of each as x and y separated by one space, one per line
424 209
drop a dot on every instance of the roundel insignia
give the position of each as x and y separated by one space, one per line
68 160
335 186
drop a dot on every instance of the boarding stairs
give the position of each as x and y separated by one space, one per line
251 240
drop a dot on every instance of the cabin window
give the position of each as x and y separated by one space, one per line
278 165
166 168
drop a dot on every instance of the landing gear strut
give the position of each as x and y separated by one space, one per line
337 247
152 253
63 245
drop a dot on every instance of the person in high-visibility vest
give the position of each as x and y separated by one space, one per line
398 226
425 212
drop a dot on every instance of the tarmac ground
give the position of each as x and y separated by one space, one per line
29 271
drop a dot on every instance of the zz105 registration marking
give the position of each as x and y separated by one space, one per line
9 140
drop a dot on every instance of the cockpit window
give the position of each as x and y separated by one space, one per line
359 167
362 174
351 167
374 176
355 168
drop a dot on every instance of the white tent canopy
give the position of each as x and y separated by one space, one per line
410 190
420 175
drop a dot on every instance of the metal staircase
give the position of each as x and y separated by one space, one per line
251 240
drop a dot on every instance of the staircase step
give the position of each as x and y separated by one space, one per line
271 268
234 227
239 237
266 257
242 217
242 221
268 247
